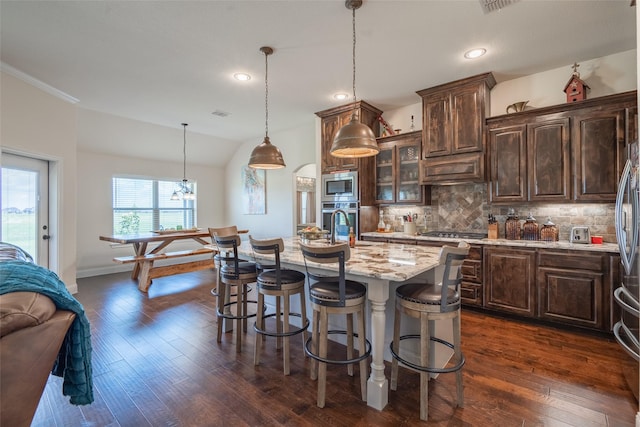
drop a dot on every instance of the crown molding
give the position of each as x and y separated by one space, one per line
37 83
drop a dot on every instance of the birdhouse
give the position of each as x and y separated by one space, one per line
575 88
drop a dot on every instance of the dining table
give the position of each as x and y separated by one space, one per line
149 247
381 267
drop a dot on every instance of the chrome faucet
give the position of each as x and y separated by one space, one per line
333 223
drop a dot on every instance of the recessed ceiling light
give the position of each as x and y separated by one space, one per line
340 96
475 53
243 77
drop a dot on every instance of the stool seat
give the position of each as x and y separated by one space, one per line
330 291
244 269
430 294
269 278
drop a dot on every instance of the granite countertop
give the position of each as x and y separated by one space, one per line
387 261
604 247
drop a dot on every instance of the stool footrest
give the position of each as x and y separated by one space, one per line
412 365
281 334
231 316
214 291
363 356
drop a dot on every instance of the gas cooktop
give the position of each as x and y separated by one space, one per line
455 234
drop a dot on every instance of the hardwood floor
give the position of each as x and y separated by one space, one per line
156 362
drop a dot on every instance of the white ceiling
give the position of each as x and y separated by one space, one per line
168 62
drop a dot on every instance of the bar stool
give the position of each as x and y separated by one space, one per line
282 283
430 302
233 272
335 295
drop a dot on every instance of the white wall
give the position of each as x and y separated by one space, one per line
298 148
37 124
95 171
605 76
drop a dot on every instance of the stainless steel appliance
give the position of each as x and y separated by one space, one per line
342 229
627 296
340 187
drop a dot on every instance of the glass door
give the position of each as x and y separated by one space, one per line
24 205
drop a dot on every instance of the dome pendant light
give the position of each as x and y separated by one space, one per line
184 190
354 139
266 155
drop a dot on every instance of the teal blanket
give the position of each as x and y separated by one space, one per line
73 363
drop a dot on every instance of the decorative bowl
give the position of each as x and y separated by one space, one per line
313 235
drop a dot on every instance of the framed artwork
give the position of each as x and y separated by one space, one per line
254 188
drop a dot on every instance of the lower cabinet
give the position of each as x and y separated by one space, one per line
509 280
570 288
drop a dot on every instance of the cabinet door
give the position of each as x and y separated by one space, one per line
436 133
408 187
507 164
572 297
467 119
598 139
385 172
509 280
330 126
548 161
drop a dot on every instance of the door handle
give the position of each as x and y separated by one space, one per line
46 237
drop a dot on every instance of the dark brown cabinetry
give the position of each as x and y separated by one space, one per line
397 170
510 280
453 137
471 286
529 162
571 288
533 154
332 120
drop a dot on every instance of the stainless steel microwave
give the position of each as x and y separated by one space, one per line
340 186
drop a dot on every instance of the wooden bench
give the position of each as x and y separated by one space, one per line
149 272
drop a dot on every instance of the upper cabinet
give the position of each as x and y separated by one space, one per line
529 161
533 155
397 170
332 120
453 136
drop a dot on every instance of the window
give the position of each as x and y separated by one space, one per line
143 205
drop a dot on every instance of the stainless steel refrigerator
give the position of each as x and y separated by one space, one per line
627 295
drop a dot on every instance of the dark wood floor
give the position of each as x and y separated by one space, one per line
156 363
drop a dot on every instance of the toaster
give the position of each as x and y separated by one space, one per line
580 235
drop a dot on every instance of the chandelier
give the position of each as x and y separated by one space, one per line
184 190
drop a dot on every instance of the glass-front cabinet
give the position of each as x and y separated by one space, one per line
397 171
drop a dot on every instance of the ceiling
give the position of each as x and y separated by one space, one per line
168 62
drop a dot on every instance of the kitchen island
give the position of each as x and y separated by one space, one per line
380 266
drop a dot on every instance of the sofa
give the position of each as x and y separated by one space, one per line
32 332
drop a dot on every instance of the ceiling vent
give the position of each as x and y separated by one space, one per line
220 113
495 5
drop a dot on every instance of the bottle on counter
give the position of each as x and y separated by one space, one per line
549 231
530 228
352 238
381 226
512 226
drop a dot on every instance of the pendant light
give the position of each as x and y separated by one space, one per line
354 139
184 190
266 155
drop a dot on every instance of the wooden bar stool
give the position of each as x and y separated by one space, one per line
282 283
233 272
432 302
335 295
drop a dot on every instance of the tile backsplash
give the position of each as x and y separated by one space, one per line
464 207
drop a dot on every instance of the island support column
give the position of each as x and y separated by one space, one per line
377 385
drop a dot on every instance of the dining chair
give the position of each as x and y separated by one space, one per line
232 271
281 283
334 295
431 302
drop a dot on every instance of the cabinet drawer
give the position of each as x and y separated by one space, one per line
472 270
578 261
471 293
